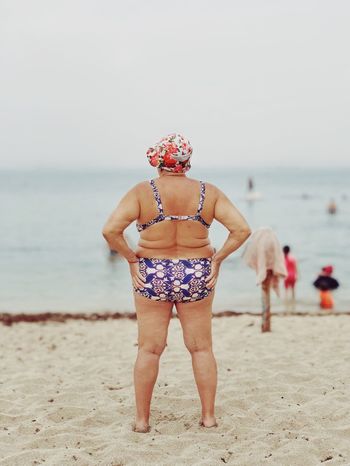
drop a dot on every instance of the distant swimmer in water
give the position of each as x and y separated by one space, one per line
250 184
252 195
332 207
292 272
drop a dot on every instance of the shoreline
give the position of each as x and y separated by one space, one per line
9 319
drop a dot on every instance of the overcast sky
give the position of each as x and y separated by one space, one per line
94 83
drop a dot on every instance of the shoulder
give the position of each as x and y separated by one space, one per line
210 189
139 188
213 191
210 186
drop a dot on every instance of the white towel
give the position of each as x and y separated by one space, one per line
262 253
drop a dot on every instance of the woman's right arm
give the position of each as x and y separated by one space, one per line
229 216
124 214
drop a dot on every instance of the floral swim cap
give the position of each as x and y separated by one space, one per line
172 153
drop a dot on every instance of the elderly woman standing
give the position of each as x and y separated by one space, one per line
174 264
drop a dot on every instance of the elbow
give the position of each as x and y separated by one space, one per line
247 232
241 234
107 233
244 234
111 235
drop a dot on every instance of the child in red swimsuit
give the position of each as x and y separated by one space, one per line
292 273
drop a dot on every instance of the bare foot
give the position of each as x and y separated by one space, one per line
141 427
208 422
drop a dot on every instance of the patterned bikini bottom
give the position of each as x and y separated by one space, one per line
174 280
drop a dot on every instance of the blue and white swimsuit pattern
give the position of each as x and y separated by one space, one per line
174 280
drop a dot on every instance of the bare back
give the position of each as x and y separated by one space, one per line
175 239
178 238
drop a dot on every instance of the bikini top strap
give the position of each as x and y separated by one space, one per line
156 196
201 198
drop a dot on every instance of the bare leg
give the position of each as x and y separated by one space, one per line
195 320
293 293
153 321
286 294
288 299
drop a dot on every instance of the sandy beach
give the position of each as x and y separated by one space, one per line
283 398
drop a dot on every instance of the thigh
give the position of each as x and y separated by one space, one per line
152 322
195 318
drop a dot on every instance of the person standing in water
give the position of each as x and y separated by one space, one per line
250 184
174 264
332 207
292 272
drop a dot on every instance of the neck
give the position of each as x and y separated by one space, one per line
166 173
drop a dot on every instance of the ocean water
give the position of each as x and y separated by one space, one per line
54 258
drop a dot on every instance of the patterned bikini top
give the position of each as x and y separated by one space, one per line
160 217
